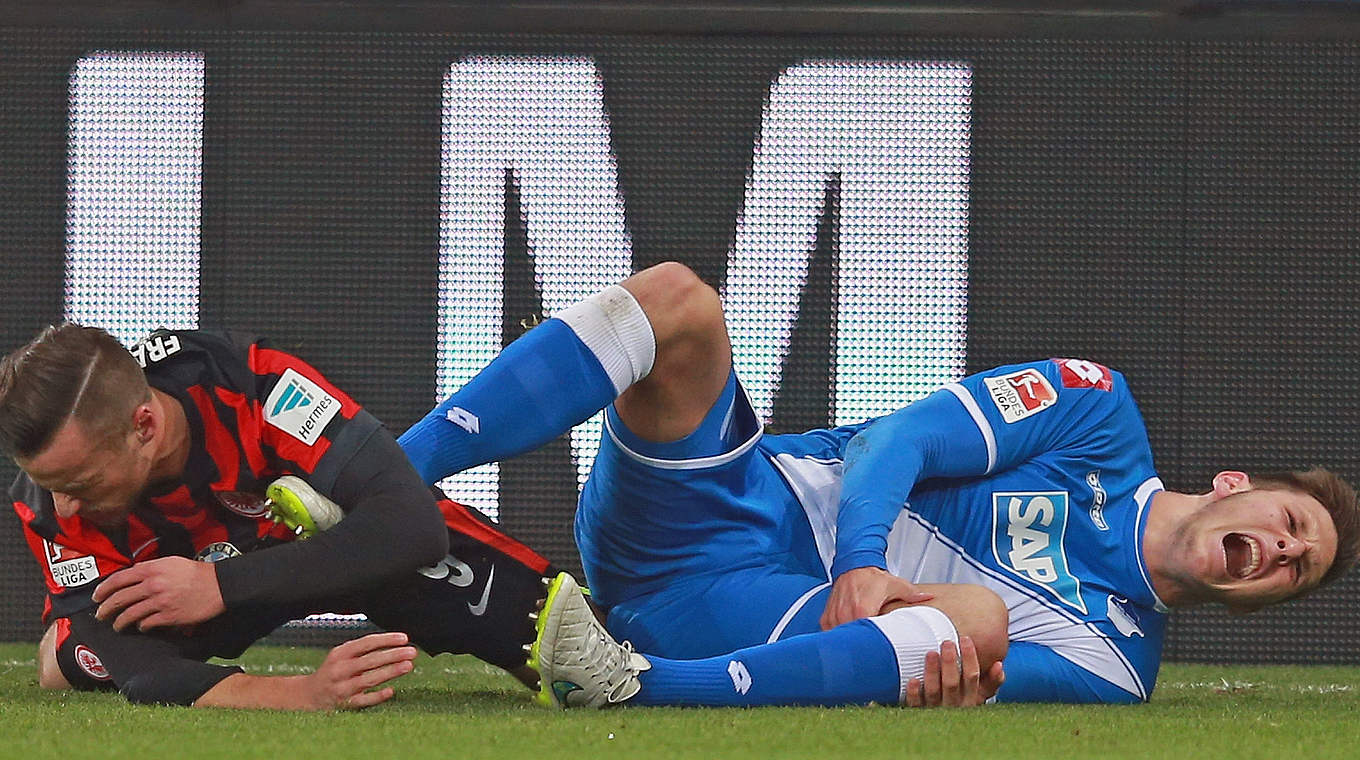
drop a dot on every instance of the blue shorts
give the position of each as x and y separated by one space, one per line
698 547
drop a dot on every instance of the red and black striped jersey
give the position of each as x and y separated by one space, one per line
254 413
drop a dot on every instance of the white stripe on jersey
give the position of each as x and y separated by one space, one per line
793 610
914 542
979 419
1142 497
816 483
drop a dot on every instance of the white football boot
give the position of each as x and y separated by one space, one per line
579 664
293 502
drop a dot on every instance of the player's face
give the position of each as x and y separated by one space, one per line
99 477
1257 547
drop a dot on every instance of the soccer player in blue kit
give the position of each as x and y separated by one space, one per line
1010 525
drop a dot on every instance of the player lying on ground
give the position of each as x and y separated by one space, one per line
138 463
763 569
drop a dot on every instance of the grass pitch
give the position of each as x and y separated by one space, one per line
456 707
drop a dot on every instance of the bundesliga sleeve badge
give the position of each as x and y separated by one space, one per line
70 568
1018 395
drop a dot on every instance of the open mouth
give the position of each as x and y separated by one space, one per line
1242 555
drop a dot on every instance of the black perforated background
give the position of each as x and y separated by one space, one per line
1180 209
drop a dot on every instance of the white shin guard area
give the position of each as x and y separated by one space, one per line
914 632
613 326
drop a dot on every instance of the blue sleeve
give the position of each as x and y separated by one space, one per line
1035 673
933 437
985 423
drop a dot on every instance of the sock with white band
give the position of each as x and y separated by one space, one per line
613 326
855 663
553 377
914 632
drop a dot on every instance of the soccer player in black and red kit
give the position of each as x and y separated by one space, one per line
142 499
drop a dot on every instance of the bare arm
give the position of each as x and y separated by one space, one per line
353 676
347 680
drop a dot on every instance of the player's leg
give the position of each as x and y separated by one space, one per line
569 367
49 671
693 354
871 660
479 600
656 516
712 614
974 611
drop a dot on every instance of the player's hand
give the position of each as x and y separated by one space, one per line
344 680
952 678
160 592
863 592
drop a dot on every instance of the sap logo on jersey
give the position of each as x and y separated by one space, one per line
70 568
1028 530
299 407
1019 394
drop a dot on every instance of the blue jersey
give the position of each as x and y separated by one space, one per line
1032 480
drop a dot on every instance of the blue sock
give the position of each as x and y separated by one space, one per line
850 664
537 388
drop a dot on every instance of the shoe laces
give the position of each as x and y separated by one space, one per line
616 661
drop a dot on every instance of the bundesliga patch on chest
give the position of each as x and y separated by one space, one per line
1020 394
69 567
299 407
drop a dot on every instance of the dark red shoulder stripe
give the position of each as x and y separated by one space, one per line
294 450
218 440
267 361
456 517
248 432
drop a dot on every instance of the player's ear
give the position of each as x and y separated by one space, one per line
144 422
1230 482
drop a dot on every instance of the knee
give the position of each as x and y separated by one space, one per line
679 305
976 612
981 615
49 672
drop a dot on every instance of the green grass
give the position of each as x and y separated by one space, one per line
457 708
